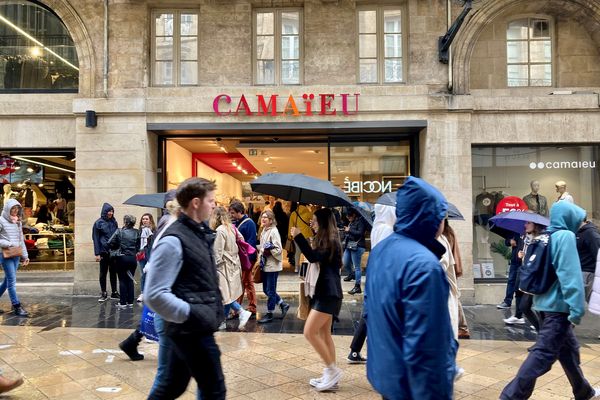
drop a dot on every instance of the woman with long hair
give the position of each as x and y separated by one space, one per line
270 254
229 267
147 228
325 304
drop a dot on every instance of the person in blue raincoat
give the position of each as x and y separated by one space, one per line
411 344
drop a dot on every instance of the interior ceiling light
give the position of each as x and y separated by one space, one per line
34 40
234 163
223 149
40 185
44 164
245 172
29 169
267 158
239 167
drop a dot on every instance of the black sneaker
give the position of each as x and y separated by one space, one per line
355 290
115 295
268 317
355 358
20 311
349 278
503 306
103 298
285 307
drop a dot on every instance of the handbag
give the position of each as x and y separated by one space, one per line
304 304
14 251
289 246
147 324
257 274
114 253
245 249
140 255
352 245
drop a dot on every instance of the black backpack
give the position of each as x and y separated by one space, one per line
537 273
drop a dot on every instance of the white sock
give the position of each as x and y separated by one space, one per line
280 302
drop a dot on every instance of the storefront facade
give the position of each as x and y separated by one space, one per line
179 70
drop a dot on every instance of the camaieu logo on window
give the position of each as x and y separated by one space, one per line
562 164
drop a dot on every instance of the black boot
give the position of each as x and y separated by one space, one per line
349 278
285 307
130 345
20 311
355 290
268 317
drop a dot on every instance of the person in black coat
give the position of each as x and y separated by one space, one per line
283 221
326 250
354 248
588 244
127 242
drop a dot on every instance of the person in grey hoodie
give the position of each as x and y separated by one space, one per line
11 235
102 231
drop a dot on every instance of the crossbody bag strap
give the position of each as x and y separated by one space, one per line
301 219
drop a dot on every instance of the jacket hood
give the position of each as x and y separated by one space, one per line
587 227
565 215
383 225
7 206
420 208
105 209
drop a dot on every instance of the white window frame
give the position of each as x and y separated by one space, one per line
176 46
552 63
380 34
277 38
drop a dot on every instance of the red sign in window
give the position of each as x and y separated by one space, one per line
511 203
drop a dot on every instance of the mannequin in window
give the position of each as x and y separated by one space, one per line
61 207
29 200
8 193
535 201
563 195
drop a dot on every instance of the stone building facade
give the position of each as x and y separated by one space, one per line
461 106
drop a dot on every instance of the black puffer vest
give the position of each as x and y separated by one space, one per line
197 283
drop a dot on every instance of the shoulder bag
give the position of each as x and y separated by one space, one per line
244 251
114 253
14 251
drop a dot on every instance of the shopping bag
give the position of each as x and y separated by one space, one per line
147 324
304 304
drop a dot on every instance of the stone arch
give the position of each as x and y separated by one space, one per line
586 12
83 43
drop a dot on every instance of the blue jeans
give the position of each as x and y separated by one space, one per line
10 266
235 305
141 265
511 285
166 386
270 289
352 258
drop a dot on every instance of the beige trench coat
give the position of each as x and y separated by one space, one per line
275 259
227 259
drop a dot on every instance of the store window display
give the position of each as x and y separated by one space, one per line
528 178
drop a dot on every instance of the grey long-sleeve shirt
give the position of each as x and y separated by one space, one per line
163 268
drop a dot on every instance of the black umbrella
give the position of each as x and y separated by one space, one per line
302 189
155 200
389 199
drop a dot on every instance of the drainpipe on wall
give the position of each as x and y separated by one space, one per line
448 24
105 66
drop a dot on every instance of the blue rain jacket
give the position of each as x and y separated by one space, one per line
412 349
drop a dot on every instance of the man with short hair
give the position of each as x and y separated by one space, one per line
102 231
588 244
183 288
247 228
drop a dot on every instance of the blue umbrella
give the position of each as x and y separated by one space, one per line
514 221
389 199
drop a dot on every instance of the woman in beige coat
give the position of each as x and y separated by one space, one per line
229 268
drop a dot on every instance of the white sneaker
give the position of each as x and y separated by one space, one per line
223 326
512 320
458 373
596 394
315 381
331 378
140 298
244 317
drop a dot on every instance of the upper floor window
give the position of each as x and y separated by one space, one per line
175 48
37 52
380 45
529 52
277 47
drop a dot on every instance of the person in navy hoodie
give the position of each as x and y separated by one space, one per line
102 230
412 349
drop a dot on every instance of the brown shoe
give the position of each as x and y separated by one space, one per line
463 333
6 384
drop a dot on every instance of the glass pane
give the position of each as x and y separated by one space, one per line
290 48
290 72
189 48
541 75
393 70
368 71
189 73
367 22
393 45
290 23
189 24
540 29
517 75
265 72
163 73
367 46
265 48
516 52
517 29
392 21
164 48
264 23
541 51
164 25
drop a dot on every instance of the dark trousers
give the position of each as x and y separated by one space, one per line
556 341
107 267
360 335
196 356
524 302
126 266
511 285
270 289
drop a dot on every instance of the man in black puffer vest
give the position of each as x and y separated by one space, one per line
183 288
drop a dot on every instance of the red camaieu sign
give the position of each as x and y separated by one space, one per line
511 203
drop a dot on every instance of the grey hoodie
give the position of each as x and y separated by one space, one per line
11 233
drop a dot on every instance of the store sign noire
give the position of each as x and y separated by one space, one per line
326 104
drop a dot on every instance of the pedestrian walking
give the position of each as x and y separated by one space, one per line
412 349
354 248
588 244
300 218
325 304
561 307
14 252
247 228
182 286
102 231
126 242
515 243
271 254
229 267
147 228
